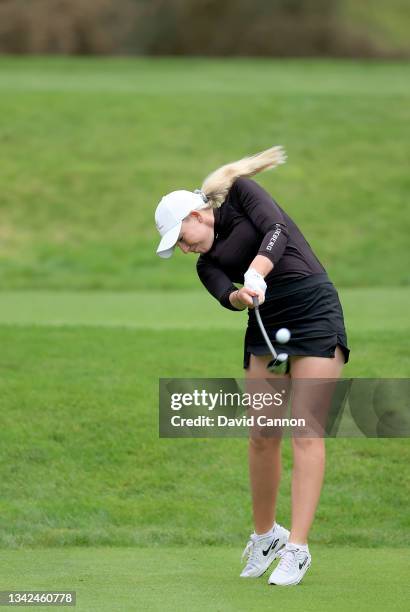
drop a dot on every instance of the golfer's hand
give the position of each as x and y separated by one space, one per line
254 281
245 296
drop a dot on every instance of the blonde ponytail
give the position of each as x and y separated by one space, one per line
218 183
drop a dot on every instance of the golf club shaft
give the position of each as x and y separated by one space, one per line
262 327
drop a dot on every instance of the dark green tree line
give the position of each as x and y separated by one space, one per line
184 27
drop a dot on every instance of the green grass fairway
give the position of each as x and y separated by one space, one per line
376 321
207 579
80 459
366 310
91 498
91 145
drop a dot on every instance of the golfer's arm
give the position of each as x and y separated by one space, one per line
218 284
268 219
262 264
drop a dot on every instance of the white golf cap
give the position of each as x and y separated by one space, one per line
170 212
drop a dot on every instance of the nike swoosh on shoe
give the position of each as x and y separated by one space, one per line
302 564
272 546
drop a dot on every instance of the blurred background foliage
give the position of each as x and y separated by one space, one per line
280 28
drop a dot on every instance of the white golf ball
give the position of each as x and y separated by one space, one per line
282 335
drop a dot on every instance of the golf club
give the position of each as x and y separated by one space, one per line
278 365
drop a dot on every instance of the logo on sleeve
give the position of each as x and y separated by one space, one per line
274 238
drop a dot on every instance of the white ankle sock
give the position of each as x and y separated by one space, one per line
259 536
293 545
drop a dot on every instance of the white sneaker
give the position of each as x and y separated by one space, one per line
292 566
262 551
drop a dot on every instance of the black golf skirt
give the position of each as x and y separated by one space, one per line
310 308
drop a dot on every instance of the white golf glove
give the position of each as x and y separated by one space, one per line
255 281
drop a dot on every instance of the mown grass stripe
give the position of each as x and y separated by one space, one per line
365 309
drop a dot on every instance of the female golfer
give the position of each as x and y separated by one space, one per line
243 236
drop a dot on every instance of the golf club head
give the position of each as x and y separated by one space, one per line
278 365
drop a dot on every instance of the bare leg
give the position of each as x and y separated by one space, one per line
309 453
264 462
264 470
307 479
